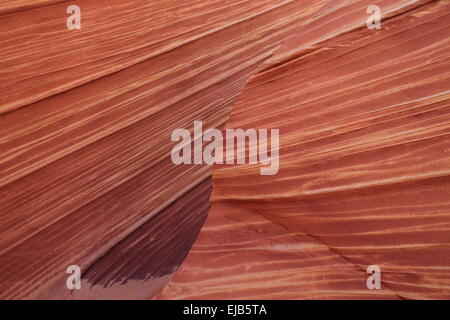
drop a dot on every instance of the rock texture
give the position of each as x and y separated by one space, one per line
364 119
85 125
86 176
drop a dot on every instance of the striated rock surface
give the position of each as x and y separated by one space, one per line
86 176
85 123
364 119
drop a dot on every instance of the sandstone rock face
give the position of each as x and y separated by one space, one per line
86 176
364 119
86 120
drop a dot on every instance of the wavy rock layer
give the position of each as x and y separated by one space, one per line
85 123
364 119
